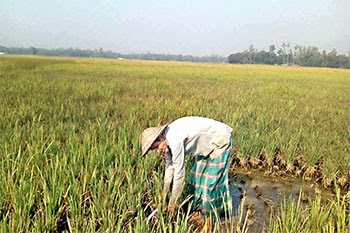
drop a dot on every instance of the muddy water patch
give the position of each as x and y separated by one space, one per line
263 192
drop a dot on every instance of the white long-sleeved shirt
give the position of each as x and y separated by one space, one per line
191 136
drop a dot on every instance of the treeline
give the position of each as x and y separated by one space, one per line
286 55
74 52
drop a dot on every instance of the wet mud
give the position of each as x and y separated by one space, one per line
261 192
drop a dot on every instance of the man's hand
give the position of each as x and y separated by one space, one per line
170 208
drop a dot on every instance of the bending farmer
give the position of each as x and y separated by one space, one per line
210 142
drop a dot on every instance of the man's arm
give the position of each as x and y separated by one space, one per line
169 172
178 163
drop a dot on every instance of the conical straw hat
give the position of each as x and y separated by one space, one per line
149 135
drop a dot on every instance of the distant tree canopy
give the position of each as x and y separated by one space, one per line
109 54
285 55
299 55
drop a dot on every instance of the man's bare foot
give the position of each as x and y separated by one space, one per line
207 226
195 216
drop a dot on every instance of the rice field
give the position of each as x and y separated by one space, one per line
70 139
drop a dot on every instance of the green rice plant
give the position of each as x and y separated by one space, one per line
317 216
70 137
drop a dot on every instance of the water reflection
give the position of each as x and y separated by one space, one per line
262 192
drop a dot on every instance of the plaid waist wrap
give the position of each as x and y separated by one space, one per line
209 184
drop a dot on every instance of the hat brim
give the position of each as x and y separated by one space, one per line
146 147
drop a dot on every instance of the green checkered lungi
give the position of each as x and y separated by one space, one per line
209 184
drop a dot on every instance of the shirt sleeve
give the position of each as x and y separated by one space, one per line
169 171
178 163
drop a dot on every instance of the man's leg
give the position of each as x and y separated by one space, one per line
207 225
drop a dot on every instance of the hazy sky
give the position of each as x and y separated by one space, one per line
196 27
